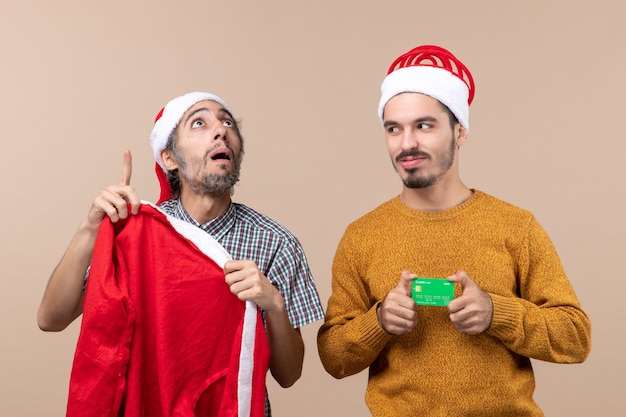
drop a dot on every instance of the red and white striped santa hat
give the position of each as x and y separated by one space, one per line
434 71
164 124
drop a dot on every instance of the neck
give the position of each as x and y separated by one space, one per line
204 208
438 197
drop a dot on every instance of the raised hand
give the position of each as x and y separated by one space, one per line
112 201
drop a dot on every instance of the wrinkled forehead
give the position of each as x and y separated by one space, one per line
206 105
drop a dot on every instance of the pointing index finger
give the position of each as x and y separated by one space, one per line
127 168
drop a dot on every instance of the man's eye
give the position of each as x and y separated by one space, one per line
393 129
423 125
197 123
228 123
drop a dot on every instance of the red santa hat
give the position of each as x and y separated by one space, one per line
164 124
434 71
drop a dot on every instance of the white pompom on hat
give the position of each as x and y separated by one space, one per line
164 124
434 71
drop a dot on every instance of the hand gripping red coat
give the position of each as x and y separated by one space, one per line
161 334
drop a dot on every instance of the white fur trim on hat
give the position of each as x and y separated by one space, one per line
435 82
170 117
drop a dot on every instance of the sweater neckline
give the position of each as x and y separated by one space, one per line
476 197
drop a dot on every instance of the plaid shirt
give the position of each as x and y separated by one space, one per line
247 234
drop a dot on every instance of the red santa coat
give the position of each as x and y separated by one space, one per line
161 334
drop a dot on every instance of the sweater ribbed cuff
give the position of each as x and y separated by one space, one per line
371 331
507 313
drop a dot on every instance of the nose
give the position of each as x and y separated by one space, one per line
409 139
219 131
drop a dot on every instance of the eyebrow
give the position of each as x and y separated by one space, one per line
416 121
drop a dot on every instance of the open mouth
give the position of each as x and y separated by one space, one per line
222 153
220 156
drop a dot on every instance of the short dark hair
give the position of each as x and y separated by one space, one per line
453 119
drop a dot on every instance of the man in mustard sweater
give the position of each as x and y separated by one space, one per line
512 299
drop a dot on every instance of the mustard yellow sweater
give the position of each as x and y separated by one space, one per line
435 370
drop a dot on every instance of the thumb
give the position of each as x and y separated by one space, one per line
127 168
462 278
404 285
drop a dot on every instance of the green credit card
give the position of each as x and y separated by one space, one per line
432 291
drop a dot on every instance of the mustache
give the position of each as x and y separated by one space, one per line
219 145
414 153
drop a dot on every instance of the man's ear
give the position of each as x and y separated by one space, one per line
460 135
168 160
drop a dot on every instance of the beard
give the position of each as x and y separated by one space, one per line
213 184
445 159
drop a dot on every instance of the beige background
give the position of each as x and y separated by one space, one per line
81 80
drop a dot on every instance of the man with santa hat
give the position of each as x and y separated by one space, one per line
428 355
198 149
